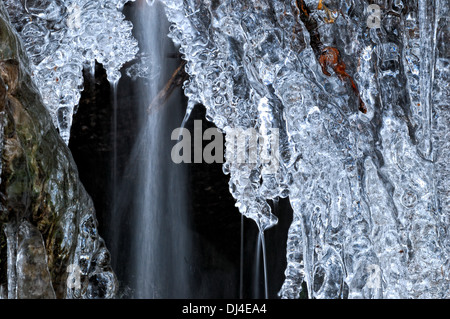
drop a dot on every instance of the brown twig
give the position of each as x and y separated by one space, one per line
327 56
177 79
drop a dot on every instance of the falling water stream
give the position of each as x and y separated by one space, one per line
241 260
114 139
148 230
260 255
257 274
264 257
149 219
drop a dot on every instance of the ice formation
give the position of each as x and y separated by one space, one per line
359 93
143 68
355 91
49 243
62 37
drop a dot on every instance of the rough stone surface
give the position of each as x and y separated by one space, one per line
49 244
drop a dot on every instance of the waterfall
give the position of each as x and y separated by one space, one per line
151 205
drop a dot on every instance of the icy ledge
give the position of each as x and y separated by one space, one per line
62 37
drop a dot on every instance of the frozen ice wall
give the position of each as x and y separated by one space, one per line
354 92
61 38
358 94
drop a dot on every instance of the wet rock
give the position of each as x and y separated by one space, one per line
49 234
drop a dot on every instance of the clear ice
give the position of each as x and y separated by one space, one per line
369 187
61 37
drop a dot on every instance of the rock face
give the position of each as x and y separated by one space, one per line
49 243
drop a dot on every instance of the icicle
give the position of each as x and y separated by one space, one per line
57 70
189 109
11 242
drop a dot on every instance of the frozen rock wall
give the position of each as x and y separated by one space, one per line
49 244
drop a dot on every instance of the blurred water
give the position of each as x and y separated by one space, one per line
149 225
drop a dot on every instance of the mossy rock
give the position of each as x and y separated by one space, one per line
41 195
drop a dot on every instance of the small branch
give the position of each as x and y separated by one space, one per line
177 79
327 56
